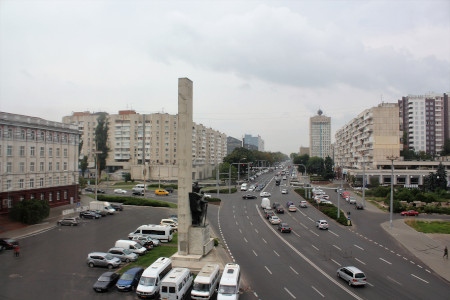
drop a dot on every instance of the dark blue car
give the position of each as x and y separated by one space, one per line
130 279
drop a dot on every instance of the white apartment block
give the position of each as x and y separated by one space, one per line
146 144
320 136
369 138
38 160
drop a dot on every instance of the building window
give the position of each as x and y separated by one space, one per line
41 183
31 183
31 166
31 196
50 181
32 151
57 181
41 166
50 166
22 134
0 147
65 194
58 152
57 196
65 152
32 135
21 183
8 184
50 196
9 167
22 167
57 166
9 150
50 152
41 152
42 196
65 166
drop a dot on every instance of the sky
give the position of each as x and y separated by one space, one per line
258 67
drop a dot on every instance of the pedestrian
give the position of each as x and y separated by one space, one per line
16 251
445 252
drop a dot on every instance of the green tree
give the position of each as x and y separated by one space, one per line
315 165
83 165
301 160
328 170
446 148
30 211
101 142
441 177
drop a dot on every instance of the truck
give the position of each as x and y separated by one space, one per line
103 207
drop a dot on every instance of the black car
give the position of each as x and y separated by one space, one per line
169 189
249 196
284 227
8 243
106 281
130 279
117 206
138 193
89 189
279 209
99 191
89 214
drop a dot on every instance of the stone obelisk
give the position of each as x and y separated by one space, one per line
184 154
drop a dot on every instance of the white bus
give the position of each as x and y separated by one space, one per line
150 281
230 282
164 233
205 282
176 284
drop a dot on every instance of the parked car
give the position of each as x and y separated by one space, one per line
249 196
284 191
284 227
274 220
352 275
303 204
68 221
8 243
102 259
124 255
161 192
265 194
322 224
89 189
169 222
145 241
100 191
105 281
409 213
119 191
117 206
89 214
130 279
359 206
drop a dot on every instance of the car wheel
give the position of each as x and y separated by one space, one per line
127 260
110 266
91 265
338 275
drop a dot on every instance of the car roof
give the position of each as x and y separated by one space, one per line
134 270
353 269
98 253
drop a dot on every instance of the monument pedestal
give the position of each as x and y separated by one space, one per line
200 241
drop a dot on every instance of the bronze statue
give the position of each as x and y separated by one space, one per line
199 206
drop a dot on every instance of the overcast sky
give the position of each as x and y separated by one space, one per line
258 67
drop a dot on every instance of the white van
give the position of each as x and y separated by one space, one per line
230 282
244 187
265 203
139 188
176 284
205 283
150 282
132 245
164 233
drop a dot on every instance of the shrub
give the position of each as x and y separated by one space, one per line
30 211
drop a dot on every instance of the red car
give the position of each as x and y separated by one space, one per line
409 213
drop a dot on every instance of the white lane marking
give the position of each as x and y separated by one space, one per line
315 247
248 217
394 280
311 219
370 284
337 247
245 240
323 296
276 253
298 235
358 247
251 223
303 214
336 262
360 261
304 226
292 295
240 230
419 278
268 270
237 223
264 241
254 253
256 230
313 232
293 270
333 233
385 261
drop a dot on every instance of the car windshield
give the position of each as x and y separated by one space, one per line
127 276
147 281
201 286
109 257
227 289
127 251
104 278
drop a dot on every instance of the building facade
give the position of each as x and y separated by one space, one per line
253 142
145 145
38 160
424 121
233 143
320 136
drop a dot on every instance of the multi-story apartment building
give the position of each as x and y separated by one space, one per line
320 135
146 144
369 138
253 142
38 160
424 120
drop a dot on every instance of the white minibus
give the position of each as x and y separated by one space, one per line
230 282
164 233
149 284
205 283
176 284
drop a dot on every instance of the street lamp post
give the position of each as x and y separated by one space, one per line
391 205
96 171
239 167
364 182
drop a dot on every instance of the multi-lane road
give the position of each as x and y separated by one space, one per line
303 264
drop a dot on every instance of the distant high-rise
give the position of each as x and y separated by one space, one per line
424 120
320 135
253 142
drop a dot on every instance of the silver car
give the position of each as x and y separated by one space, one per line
352 275
102 259
123 254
